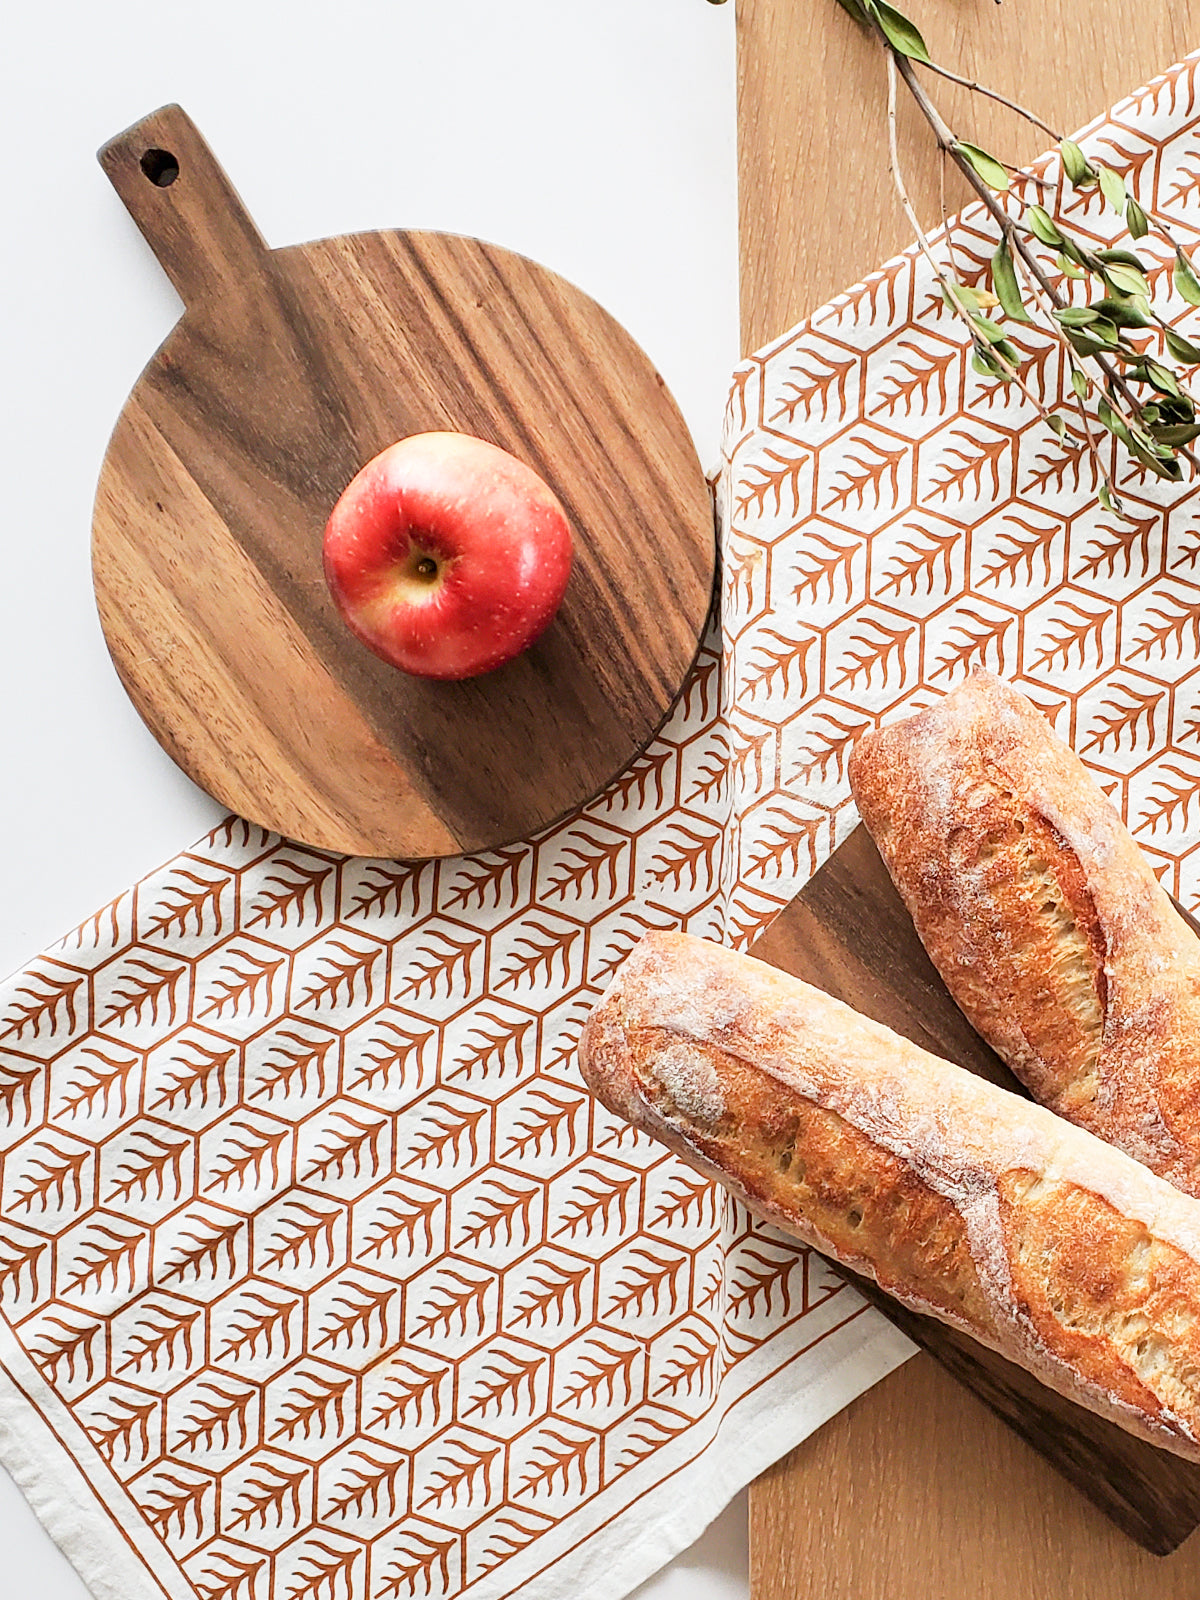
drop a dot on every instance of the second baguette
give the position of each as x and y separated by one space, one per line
958 1198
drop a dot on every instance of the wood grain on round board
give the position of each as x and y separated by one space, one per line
290 369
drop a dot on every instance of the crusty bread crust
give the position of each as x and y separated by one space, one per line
1042 916
958 1198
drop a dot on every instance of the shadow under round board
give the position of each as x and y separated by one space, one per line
287 372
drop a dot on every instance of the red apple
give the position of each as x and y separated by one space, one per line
447 556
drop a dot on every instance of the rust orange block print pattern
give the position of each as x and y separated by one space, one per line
893 520
321 1275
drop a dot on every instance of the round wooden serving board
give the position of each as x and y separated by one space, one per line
288 370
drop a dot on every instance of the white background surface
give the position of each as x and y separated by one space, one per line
595 135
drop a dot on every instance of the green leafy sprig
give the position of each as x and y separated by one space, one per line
1120 388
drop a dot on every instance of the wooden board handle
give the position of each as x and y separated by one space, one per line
190 214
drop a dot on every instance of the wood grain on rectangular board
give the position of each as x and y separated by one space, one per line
917 1491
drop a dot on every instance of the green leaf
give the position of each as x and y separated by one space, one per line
1126 257
985 364
986 166
1186 282
1182 349
1112 185
1109 500
1004 281
1164 380
1079 383
989 330
901 34
854 9
1058 424
1075 164
1127 279
1115 423
1177 433
1084 345
1076 316
1041 225
1067 267
1131 313
1135 220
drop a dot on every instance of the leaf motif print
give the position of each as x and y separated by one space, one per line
599 1200
874 471
772 661
1071 636
410 1396
688 855
295 891
1123 543
326 1572
161 1338
1177 628
243 983
368 1488
1021 553
829 749
66 1350
773 477
547 1118
492 881
557 1459
121 1432
762 1283
303 1235
228 1578
1127 714
923 373
425 1562
446 961
402 1223
172 1503
198 1071
147 991
506 1384
1169 803
828 387
314 1408
977 641
970 468
449 1132
191 903
505 1210
100 1083
206 1251
384 891
604 1373
876 645
45 1001
694 1366
464 1473
260 1325
922 563
1062 460
345 974
297 1064
583 864
270 1497
396 1054
553 1297
216 1418
496 1044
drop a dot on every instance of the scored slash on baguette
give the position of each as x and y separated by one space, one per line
1042 916
958 1198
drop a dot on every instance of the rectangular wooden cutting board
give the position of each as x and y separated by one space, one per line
917 1491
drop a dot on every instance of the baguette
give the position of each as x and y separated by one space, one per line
1043 917
960 1199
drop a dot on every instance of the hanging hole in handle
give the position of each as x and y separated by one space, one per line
161 167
